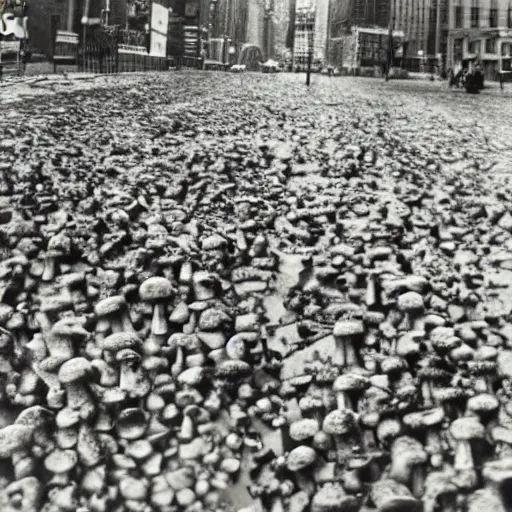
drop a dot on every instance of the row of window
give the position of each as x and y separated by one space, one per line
475 17
490 47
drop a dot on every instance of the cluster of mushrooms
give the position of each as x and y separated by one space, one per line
140 370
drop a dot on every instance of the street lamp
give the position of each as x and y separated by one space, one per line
421 53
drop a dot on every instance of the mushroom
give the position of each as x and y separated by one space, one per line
303 429
485 499
411 304
407 463
483 405
440 492
347 334
347 384
131 424
341 424
64 337
72 375
502 438
332 497
391 496
463 430
61 463
58 247
15 441
430 421
129 374
27 493
498 475
157 290
42 421
312 407
118 341
300 458
113 311
204 285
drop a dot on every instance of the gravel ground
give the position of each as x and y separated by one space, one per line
230 292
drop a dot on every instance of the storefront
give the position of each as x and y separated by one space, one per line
491 47
367 48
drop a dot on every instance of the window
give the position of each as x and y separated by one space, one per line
459 16
509 16
474 47
475 17
493 14
490 46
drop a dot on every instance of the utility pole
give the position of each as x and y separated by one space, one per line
438 28
310 24
390 37
71 15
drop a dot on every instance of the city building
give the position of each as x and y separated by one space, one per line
480 29
311 31
425 27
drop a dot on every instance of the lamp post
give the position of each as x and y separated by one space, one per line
310 25
422 64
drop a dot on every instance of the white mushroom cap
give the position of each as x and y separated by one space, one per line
303 429
344 328
300 458
410 301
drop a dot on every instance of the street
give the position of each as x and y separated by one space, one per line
233 292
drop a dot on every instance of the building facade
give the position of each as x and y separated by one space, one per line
480 29
311 32
425 27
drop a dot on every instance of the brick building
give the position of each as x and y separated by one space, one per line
480 29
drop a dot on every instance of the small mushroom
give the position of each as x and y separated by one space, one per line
61 463
157 290
346 385
428 421
58 247
73 374
463 430
407 463
341 424
331 497
303 429
391 496
411 304
114 311
440 492
347 334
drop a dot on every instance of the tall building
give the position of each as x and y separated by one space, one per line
480 29
311 30
425 25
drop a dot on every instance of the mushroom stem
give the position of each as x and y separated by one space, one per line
127 323
427 394
343 449
368 440
23 464
77 395
434 444
400 471
128 375
371 292
346 352
418 481
59 346
463 460
344 401
159 322
116 323
179 363
49 269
